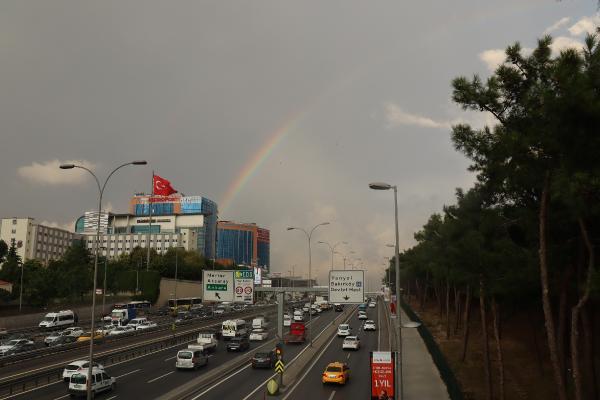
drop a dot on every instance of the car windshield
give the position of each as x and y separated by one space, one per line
261 355
236 341
78 378
72 367
343 327
185 355
49 319
334 369
369 322
350 339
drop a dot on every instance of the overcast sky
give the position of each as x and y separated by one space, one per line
360 91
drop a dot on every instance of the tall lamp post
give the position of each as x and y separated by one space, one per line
387 186
177 248
96 248
309 236
332 248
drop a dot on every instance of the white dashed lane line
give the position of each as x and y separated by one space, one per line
332 394
128 373
160 377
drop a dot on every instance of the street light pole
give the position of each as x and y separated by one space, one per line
308 236
332 248
387 186
21 287
96 248
104 286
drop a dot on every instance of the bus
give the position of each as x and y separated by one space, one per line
233 328
184 303
141 304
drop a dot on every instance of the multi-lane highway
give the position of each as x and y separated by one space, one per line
309 385
153 375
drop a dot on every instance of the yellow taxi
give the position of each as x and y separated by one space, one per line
86 337
336 372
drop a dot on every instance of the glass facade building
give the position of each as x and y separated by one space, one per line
243 244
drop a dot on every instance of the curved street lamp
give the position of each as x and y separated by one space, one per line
309 236
96 248
332 248
387 186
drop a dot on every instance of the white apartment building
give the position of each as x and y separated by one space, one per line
35 241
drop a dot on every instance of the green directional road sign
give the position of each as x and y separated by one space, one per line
279 367
210 286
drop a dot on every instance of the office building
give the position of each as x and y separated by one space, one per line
177 221
36 241
243 244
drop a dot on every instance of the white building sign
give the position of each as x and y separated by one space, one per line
218 285
347 286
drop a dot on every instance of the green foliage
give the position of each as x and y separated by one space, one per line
3 250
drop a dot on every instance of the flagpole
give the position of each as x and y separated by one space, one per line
149 224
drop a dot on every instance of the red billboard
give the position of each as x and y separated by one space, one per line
383 370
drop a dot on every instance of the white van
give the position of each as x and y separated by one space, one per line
233 328
260 323
101 382
190 359
60 319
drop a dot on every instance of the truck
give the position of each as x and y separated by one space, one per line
206 342
297 333
121 316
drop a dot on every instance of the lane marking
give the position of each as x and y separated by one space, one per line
170 358
160 377
113 397
315 361
347 358
128 373
260 386
62 397
220 382
332 394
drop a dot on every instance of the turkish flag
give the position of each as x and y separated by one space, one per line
162 187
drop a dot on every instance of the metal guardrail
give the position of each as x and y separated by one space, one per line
54 375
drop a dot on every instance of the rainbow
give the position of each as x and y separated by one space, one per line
258 159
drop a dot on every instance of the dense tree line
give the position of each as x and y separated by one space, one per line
526 234
70 278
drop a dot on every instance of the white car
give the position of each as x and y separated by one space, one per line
259 334
106 329
219 311
101 382
122 330
372 305
369 325
287 321
146 325
351 342
74 331
137 321
344 330
298 318
362 315
78 366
